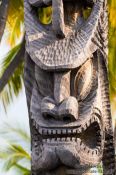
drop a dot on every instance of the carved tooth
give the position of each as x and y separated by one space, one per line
94 118
63 139
96 151
58 139
86 126
73 139
47 140
82 129
54 132
59 132
98 148
68 139
97 119
53 140
79 130
83 147
64 131
81 143
69 131
90 121
49 132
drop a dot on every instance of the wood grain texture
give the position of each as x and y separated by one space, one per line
67 89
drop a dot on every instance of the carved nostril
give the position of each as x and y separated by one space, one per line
60 35
68 119
69 108
67 111
47 116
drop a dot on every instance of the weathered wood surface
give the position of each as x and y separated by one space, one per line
67 88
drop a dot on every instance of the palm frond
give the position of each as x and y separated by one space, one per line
13 152
23 170
19 131
15 22
11 81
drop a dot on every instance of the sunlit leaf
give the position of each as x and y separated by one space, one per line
45 15
15 22
112 49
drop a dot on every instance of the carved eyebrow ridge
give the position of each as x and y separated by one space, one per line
40 3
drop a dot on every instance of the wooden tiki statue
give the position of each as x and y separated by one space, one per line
67 87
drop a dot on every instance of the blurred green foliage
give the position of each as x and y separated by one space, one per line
112 49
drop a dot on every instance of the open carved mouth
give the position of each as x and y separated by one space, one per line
82 145
88 137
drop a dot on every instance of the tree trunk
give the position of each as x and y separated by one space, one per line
3 16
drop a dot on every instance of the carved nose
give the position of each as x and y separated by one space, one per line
61 86
62 106
66 111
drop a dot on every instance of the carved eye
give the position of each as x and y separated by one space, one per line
45 15
84 80
86 12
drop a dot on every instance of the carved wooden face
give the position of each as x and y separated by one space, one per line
65 103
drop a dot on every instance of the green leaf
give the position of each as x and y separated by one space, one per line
14 153
15 83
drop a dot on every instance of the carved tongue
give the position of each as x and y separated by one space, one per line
58 18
